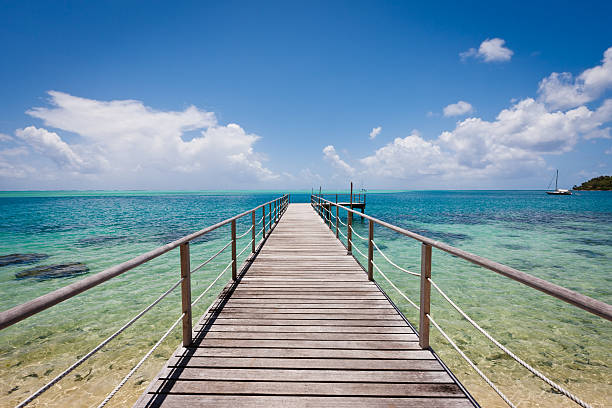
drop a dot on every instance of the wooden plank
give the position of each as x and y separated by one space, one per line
309 315
310 344
231 401
307 328
310 336
305 388
310 322
306 363
306 353
304 311
244 374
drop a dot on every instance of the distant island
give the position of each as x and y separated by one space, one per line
597 183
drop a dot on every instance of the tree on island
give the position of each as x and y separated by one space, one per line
597 183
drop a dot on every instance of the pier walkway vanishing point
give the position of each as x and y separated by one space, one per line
302 322
304 326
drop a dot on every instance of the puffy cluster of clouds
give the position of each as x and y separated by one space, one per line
126 140
329 152
490 50
562 90
512 144
457 109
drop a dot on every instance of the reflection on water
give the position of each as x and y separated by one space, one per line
567 241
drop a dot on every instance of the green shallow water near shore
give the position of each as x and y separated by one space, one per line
567 240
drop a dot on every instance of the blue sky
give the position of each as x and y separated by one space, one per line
207 95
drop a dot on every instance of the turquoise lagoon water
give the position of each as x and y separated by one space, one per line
566 240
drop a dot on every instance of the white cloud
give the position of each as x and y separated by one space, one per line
15 151
490 50
609 151
561 90
5 138
375 132
459 108
407 156
51 146
604 133
14 170
142 147
511 145
330 154
515 143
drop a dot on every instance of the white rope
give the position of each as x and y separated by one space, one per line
339 220
245 248
357 249
127 377
246 232
355 232
211 258
140 363
395 287
211 285
466 358
511 354
393 263
342 233
96 349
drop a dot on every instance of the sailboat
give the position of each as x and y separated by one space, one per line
557 190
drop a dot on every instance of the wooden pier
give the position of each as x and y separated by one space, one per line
302 322
303 326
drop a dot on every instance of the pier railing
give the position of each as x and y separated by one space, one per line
355 198
263 219
330 213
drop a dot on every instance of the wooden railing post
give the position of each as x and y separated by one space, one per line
270 215
371 251
425 296
337 234
349 225
253 233
186 293
275 212
263 221
234 266
329 215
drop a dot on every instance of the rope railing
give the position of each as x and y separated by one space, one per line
245 232
210 259
359 236
146 356
97 348
393 263
140 363
212 283
23 311
248 245
395 287
507 351
586 303
471 363
357 249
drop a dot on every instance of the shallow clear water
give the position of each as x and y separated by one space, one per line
566 240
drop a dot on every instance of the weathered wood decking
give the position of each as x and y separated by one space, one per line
303 327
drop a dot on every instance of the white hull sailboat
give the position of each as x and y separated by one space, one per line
558 191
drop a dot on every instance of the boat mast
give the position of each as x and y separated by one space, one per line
556 180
